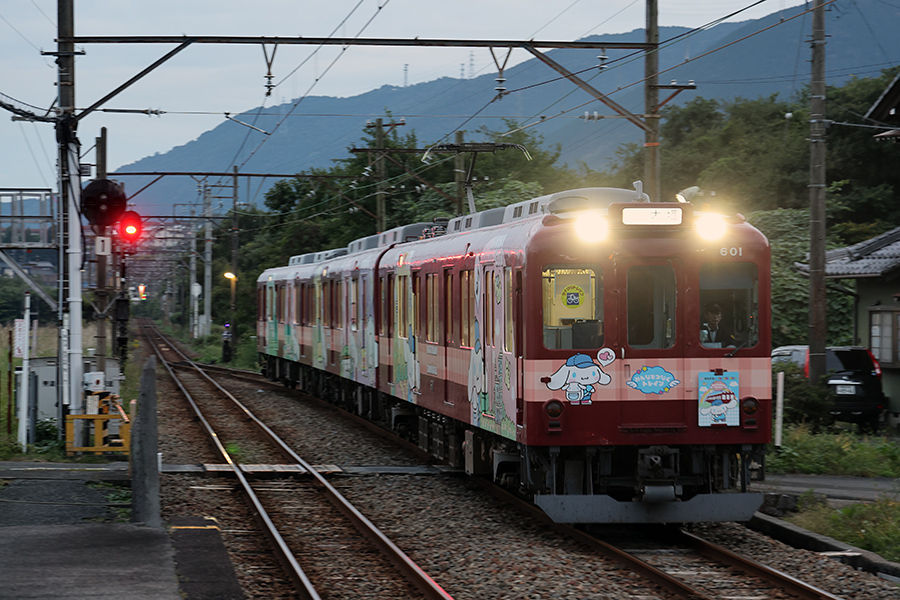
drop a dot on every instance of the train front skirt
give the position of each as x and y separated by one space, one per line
581 508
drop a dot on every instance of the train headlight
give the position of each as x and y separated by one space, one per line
591 226
710 226
554 409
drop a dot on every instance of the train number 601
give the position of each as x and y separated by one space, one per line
733 251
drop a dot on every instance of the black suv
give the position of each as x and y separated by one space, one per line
853 374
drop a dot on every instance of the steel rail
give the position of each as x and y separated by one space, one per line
645 569
406 565
302 583
784 581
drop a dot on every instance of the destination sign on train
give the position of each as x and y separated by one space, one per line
650 215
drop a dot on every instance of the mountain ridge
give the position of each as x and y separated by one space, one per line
723 61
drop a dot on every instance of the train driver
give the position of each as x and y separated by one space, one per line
713 334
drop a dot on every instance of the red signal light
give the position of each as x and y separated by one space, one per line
130 226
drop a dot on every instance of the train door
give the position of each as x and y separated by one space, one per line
386 332
651 352
271 322
491 399
447 332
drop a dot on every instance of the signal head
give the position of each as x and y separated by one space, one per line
103 202
130 226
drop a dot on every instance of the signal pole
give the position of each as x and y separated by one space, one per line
817 296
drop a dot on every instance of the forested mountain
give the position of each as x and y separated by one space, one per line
723 61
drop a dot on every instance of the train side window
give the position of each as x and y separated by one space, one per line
508 317
448 306
402 307
363 315
354 304
488 325
467 306
326 303
386 327
572 307
734 287
651 307
416 321
432 307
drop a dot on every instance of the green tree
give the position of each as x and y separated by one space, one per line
788 233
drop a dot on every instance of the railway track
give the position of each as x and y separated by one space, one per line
680 562
650 570
321 539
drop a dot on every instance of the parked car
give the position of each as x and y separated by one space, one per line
853 374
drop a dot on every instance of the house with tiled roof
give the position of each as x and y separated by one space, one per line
875 266
885 111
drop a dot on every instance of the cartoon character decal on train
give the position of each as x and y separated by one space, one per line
718 402
579 374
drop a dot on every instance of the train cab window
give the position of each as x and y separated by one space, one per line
573 308
651 307
729 305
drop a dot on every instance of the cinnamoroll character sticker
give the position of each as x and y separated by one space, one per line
578 376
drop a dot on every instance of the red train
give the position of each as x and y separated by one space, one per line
559 344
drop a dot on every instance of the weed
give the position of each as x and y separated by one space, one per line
118 495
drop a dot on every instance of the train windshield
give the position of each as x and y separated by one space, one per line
573 307
729 305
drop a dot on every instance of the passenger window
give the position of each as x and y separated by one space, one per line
573 308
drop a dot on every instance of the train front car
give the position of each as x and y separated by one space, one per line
645 373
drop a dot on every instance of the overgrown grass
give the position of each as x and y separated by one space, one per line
873 526
840 453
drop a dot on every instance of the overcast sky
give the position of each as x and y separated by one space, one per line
202 83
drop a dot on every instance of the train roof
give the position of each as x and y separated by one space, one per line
559 202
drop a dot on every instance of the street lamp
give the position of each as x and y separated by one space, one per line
228 336
233 278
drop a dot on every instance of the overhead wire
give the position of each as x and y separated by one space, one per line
687 60
262 104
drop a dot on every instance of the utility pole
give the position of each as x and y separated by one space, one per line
817 296
70 353
193 286
101 294
459 172
207 260
234 253
379 174
651 105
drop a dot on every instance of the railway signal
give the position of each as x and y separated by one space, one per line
130 227
103 202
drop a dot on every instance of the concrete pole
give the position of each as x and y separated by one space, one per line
70 191
26 380
101 294
207 261
195 326
459 173
145 453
